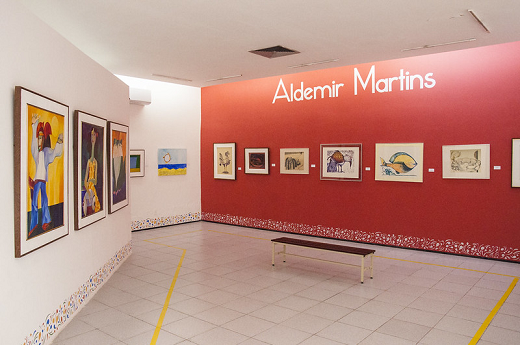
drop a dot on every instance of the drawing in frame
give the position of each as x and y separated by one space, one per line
515 164
171 162
256 160
41 156
399 162
294 161
90 169
118 166
224 160
137 163
340 162
466 161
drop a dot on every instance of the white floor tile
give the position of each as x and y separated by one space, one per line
227 292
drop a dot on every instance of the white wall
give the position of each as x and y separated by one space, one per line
37 58
171 121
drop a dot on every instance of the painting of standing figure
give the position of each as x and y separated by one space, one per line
41 162
224 158
90 165
341 162
119 166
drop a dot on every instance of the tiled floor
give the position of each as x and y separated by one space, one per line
226 292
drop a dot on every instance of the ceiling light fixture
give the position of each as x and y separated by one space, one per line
170 77
438 45
313 63
224 78
478 20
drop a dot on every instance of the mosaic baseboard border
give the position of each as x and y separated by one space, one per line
445 246
64 312
165 221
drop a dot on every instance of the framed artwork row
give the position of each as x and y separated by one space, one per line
41 161
399 162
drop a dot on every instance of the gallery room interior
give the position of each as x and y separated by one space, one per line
159 149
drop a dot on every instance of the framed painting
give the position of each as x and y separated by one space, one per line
515 164
294 161
137 163
340 162
399 162
41 162
90 169
466 161
172 162
118 166
257 161
224 161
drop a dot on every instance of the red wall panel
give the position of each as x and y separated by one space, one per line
475 100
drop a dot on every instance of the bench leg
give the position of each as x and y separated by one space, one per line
273 252
362 269
284 252
371 266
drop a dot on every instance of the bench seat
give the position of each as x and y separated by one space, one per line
361 252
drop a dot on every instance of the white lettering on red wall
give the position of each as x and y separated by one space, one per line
402 82
306 93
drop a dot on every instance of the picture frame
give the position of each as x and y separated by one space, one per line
137 163
466 161
515 163
256 160
399 162
294 161
340 162
224 161
171 162
41 134
90 169
118 166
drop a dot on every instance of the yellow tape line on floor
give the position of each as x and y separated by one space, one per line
172 285
491 315
473 341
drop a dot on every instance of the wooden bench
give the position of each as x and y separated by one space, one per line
285 241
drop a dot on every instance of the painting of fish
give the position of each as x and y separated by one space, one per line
399 162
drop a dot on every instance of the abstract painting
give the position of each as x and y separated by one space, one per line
137 163
341 162
172 162
41 144
90 169
257 161
466 161
399 162
294 161
224 160
118 166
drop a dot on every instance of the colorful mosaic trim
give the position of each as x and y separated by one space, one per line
165 221
72 304
445 246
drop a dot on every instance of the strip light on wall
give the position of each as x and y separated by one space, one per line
313 63
439 44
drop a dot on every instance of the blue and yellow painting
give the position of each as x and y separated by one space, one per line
172 162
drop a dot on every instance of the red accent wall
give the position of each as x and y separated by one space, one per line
476 100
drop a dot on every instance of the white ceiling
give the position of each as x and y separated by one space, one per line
200 40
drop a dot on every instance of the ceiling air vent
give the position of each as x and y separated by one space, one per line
274 52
